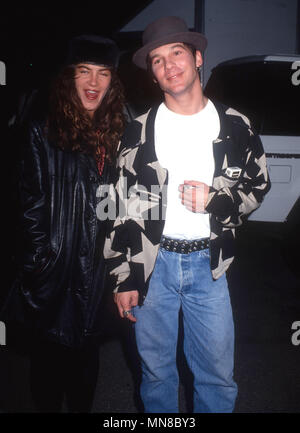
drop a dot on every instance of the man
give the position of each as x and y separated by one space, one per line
190 170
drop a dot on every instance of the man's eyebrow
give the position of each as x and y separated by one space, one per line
179 45
153 56
173 47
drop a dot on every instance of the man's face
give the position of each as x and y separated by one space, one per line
92 83
174 68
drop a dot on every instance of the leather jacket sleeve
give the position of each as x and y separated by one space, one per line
35 203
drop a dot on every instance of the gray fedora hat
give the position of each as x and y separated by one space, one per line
165 31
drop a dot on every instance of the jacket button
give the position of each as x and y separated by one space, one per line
93 179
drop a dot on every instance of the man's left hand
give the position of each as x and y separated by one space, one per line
194 195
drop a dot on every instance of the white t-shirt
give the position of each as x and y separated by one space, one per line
183 145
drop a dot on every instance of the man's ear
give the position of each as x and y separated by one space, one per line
199 59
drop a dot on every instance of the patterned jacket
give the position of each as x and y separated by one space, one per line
139 198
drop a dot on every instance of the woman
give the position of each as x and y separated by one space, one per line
65 160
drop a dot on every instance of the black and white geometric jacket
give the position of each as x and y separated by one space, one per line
139 197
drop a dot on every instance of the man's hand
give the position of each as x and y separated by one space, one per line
194 195
125 301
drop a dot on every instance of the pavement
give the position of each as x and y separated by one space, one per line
265 295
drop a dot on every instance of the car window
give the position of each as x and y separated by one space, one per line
263 91
281 105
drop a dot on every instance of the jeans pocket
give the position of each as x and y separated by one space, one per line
205 253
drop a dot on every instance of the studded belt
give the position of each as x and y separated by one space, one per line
184 246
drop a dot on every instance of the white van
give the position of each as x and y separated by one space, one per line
267 90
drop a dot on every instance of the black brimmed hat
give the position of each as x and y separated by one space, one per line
166 31
93 49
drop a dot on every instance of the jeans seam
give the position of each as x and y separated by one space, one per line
181 274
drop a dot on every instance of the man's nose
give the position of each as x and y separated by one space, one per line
169 63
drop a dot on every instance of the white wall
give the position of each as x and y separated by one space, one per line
237 28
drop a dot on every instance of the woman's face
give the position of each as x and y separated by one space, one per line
92 83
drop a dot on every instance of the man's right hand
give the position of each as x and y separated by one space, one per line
125 301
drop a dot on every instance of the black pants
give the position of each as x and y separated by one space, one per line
58 372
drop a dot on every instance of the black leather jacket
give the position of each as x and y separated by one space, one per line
61 262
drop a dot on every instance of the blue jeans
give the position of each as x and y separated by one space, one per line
185 281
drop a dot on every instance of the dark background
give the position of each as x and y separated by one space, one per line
33 39
264 285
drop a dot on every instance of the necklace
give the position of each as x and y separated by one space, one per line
100 155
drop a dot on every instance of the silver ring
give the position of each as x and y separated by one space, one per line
126 313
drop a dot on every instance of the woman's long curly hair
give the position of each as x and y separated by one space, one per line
71 128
